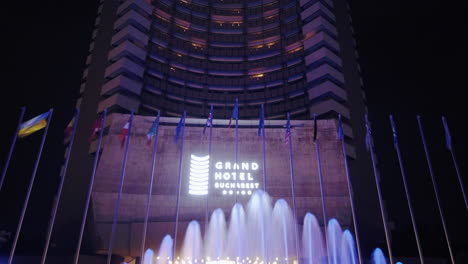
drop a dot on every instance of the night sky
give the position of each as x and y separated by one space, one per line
413 56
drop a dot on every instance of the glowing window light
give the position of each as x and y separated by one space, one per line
257 75
198 177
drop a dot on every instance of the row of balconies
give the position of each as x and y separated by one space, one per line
246 93
132 26
130 42
176 104
320 45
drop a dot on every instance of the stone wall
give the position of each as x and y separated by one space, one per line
192 207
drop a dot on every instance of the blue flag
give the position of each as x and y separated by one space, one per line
179 128
261 122
234 113
368 135
395 139
287 135
448 137
209 121
315 128
339 132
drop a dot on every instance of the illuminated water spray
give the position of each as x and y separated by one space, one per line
261 234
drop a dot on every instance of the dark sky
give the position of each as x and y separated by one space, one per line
413 57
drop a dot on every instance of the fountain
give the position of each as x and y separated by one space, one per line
378 257
215 238
348 249
313 250
148 257
165 251
261 234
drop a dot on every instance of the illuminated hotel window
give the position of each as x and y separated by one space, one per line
257 76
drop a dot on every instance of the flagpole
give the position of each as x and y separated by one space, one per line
350 189
12 147
405 185
237 146
209 154
264 151
322 195
59 192
150 187
434 185
379 191
119 196
90 187
455 163
293 188
31 183
178 187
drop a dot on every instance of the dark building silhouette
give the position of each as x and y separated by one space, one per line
175 55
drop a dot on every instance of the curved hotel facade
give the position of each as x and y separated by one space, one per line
186 55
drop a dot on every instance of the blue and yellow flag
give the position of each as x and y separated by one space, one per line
35 124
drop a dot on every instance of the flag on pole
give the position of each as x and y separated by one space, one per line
179 128
209 120
68 131
287 135
448 137
395 139
124 132
234 113
152 130
339 132
261 122
32 125
368 135
96 127
315 128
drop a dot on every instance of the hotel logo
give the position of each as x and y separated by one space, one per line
199 175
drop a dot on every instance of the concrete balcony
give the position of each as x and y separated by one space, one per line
123 65
323 107
318 38
121 83
329 2
321 54
141 5
120 100
323 70
130 33
316 7
129 49
318 24
132 18
327 87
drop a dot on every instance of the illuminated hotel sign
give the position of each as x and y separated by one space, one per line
227 178
199 171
